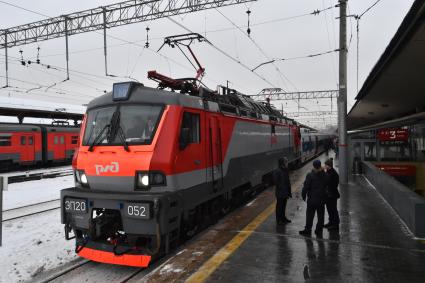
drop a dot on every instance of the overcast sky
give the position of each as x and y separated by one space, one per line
284 36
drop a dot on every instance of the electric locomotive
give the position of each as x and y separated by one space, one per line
153 166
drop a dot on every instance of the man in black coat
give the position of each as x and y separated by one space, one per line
332 195
314 190
283 190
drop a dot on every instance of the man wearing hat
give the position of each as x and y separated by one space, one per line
332 196
314 190
283 190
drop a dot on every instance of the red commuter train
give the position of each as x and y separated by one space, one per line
29 144
153 166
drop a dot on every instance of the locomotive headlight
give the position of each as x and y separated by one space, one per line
83 178
143 180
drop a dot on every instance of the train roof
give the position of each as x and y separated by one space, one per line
15 127
148 95
228 101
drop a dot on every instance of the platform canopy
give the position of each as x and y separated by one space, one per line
395 88
34 113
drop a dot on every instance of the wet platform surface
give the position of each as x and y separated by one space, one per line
372 245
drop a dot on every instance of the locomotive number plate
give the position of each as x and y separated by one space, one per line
75 205
137 210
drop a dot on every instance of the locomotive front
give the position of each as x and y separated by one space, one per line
116 212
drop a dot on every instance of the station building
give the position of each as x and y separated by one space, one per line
387 123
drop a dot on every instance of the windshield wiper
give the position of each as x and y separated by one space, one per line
123 138
98 137
116 129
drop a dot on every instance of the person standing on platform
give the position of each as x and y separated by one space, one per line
314 190
332 196
283 190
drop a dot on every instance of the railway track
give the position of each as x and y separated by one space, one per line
32 209
27 176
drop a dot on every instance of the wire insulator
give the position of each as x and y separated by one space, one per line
38 55
248 30
147 37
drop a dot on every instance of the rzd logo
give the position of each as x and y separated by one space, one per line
113 168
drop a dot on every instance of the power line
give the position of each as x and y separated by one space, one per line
295 58
224 53
283 77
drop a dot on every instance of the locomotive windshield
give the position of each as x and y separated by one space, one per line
131 124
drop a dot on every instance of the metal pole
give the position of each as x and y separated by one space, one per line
342 98
7 61
67 53
104 41
1 210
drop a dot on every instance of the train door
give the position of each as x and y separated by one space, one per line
30 148
59 147
27 148
215 147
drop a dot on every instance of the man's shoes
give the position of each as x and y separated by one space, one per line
319 234
305 233
333 227
327 225
286 220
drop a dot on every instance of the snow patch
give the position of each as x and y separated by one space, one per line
168 268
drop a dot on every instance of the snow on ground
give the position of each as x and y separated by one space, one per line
33 244
31 192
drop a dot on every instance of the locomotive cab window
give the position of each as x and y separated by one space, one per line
30 140
23 140
136 124
190 131
56 141
62 139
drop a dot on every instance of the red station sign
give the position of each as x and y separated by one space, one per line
393 136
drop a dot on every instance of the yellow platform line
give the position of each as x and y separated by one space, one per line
219 257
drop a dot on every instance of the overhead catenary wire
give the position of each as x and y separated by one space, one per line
282 76
296 58
358 18
224 53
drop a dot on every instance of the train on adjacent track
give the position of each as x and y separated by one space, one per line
154 166
32 144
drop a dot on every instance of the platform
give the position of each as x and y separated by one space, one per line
373 245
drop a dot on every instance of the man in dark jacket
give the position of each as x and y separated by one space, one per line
283 190
314 190
332 195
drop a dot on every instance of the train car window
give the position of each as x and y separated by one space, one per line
62 140
23 140
74 139
56 140
191 121
30 140
5 141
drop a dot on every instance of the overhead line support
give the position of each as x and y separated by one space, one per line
117 14
67 49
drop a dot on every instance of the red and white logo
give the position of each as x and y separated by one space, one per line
113 168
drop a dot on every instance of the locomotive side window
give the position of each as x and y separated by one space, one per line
5 140
62 139
191 122
56 141
30 140
23 140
